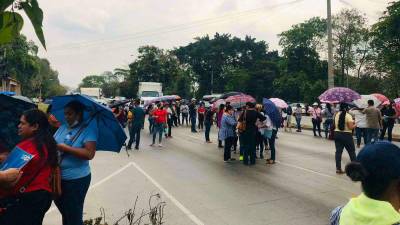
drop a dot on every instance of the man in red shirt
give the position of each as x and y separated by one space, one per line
160 117
201 112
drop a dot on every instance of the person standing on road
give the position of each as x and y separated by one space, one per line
378 168
185 113
77 143
170 120
344 126
250 116
374 121
227 132
316 119
289 112
178 113
28 190
220 113
298 114
150 111
138 116
389 116
208 122
361 126
201 111
192 114
328 113
160 120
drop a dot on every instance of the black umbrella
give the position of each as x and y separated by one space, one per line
11 110
229 94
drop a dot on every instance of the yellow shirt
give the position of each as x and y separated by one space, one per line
348 119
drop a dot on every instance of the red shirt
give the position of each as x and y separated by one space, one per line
161 115
201 110
42 180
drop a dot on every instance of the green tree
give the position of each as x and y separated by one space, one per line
386 45
349 27
11 22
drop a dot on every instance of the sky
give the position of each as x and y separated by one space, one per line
87 37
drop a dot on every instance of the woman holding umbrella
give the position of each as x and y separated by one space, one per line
77 143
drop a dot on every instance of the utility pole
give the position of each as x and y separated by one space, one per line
331 78
212 80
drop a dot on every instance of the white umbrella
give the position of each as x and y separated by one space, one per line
363 101
23 98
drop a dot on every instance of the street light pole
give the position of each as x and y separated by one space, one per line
331 79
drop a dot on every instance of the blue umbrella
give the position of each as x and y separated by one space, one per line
272 111
110 136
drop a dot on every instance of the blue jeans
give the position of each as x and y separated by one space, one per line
70 203
151 125
372 134
361 133
298 122
193 121
271 142
328 124
158 128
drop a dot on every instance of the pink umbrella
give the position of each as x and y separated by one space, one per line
217 103
397 106
279 103
238 101
380 97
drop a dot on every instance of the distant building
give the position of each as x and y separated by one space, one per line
9 84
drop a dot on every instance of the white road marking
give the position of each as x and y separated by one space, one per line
52 209
186 211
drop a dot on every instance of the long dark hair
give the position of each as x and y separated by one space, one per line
328 106
342 116
42 136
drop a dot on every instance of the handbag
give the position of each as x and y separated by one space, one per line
241 126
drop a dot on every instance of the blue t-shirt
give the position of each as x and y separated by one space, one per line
71 166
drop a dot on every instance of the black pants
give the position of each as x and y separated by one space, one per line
316 125
178 118
227 148
249 140
29 210
207 131
201 121
389 127
185 117
260 143
170 123
344 140
134 136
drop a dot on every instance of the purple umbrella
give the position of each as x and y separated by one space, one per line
339 95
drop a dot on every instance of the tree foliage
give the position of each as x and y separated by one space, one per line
11 22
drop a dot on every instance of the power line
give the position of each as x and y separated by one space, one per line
173 28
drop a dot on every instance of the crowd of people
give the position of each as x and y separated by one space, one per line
65 149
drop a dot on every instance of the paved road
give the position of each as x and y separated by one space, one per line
199 188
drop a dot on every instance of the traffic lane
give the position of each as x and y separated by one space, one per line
118 194
196 174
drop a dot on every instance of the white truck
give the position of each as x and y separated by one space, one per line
95 93
148 91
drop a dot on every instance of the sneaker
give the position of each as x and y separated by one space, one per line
136 148
152 145
241 158
159 145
